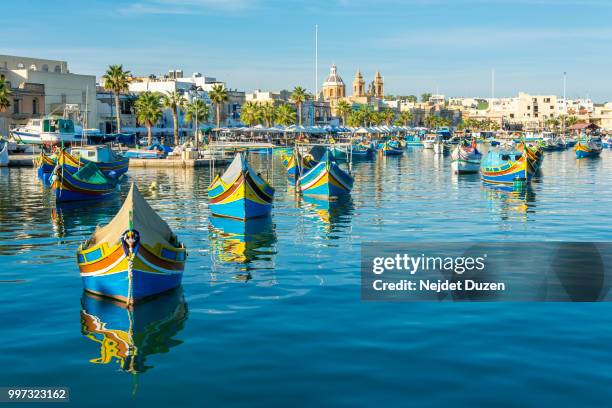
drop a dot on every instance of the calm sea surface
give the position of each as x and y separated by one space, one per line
275 318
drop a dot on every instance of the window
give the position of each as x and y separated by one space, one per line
63 98
57 69
16 106
34 106
83 97
45 68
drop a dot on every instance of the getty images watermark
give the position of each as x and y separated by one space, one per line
526 271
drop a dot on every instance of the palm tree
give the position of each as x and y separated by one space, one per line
425 97
5 93
249 113
199 111
175 102
148 111
387 116
268 114
343 108
571 121
218 95
404 118
117 81
299 96
285 115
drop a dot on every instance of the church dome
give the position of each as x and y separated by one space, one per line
333 78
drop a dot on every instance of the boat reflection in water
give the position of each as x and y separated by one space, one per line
127 336
511 201
334 214
73 218
242 242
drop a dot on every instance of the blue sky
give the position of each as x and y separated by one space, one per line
418 45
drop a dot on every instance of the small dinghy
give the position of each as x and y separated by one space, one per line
465 158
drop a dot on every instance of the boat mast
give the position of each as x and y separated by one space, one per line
83 131
316 62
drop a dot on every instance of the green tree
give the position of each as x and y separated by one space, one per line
285 115
197 111
404 118
299 96
148 111
268 114
412 98
388 115
117 81
552 124
571 121
175 102
5 93
249 113
343 108
425 97
218 95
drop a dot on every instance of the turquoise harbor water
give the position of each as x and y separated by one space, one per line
279 320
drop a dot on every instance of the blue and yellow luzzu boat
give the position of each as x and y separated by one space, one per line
290 163
240 192
590 148
506 167
535 155
392 148
88 183
45 163
326 179
134 257
361 151
103 156
127 336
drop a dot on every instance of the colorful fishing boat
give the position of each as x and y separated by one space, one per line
127 336
109 162
340 153
413 140
326 179
589 148
240 192
361 151
134 257
391 148
466 158
45 163
88 183
535 155
290 162
506 167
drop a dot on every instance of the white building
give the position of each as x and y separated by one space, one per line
61 86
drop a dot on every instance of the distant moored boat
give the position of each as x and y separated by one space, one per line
240 192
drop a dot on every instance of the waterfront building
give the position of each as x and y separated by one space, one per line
274 97
44 86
